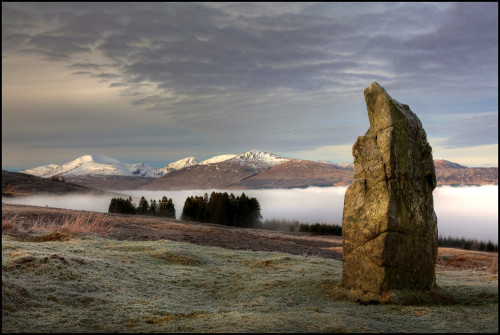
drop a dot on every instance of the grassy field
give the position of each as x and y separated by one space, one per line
94 284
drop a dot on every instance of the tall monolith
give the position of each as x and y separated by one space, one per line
389 227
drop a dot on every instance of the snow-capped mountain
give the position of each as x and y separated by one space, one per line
95 165
259 159
182 163
344 165
217 159
252 169
41 171
252 158
99 165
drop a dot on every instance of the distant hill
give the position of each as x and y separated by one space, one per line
16 184
449 173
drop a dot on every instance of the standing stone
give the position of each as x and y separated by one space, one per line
389 227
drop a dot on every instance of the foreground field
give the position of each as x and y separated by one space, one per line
77 283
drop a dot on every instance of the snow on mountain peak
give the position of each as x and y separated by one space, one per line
345 165
217 159
99 159
260 159
95 165
182 163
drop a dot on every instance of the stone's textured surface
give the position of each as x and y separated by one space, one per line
389 225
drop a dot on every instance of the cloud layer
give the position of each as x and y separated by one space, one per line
284 78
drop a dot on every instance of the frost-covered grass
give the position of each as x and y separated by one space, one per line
91 284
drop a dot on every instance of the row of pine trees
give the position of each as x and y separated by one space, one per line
220 208
225 209
466 244
164 207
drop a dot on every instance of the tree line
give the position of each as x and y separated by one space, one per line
164 207
225 209
321 228
219 208
466 244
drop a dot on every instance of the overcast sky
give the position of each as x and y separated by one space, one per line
157 82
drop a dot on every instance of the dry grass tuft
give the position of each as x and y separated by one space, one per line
494 266
44 229
83 224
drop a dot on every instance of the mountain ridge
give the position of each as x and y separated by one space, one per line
252 169
97 164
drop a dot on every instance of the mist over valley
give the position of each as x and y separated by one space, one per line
471 212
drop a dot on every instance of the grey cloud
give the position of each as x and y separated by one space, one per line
15 19
57 46
13 40
193 49
253 71
465 42
473 131
118 85
120 46
103 76
79 73
89 66
75 33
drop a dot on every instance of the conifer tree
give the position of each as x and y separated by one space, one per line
153 207
166 207
143 206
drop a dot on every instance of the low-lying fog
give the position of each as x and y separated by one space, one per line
471 212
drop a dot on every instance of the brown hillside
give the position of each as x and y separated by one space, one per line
219 175
16 184
298 173
109 182
467 176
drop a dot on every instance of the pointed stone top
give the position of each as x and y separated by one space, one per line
384 111
375 88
